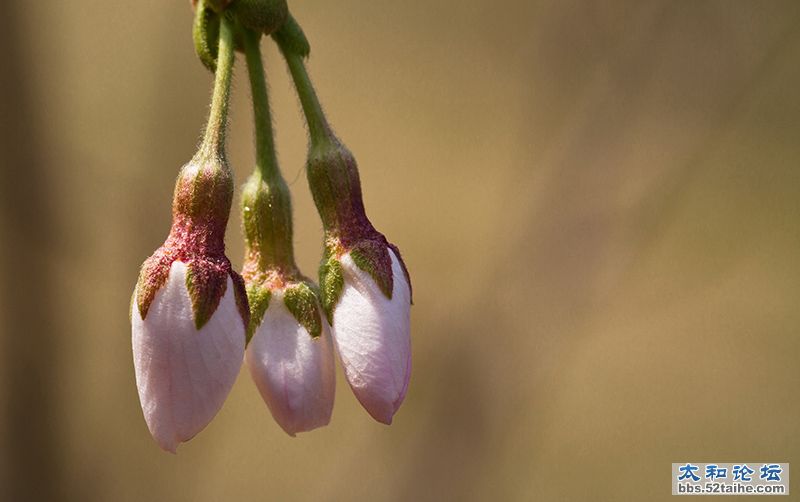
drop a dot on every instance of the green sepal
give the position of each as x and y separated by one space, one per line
205 33
258 297
206 288
290 38
303 302
240 295
372 258
331 283
152 277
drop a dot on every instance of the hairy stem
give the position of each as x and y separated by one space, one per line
214 139
318 127
266 200
266 160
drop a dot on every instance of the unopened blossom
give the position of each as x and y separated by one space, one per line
184 373
189 311
290 352
371 330
366 290
290 358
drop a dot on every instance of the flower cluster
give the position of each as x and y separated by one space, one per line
195 319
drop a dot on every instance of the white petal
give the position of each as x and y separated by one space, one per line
372 336
293 372
184 375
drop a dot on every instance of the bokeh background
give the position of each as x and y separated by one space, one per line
598 202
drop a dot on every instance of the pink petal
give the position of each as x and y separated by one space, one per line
372 337
293 372
184 375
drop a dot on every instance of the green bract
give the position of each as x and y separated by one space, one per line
331 282
206 286
290 37
372 257
205 33
303 303
258 297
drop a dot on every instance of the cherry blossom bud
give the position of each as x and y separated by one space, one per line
290 357
189 312
290 352
365 284
366 290
371 331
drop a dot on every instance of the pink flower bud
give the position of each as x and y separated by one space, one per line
366 291
184 373
365 286
371 333
291 366
189 311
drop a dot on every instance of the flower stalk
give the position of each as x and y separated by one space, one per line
267 207
318 127
331 168
213 145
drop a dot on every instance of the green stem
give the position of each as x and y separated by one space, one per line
214 139
266 160
318 127
331 169
266 203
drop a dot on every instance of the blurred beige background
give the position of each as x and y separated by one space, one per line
598 202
